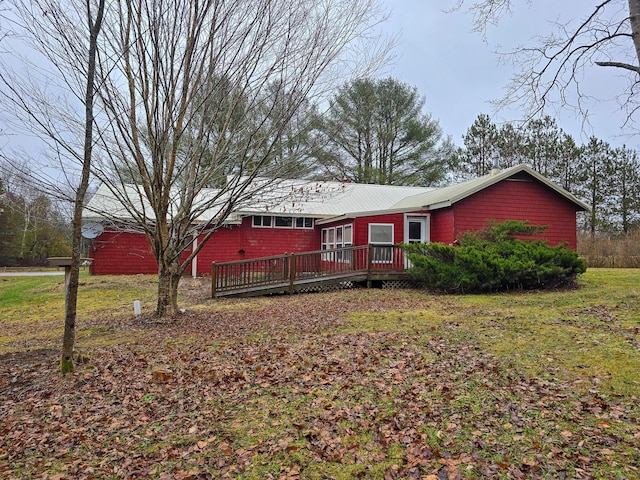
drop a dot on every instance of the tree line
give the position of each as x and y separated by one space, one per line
605 177
33 225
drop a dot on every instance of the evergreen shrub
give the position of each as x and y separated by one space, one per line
495 259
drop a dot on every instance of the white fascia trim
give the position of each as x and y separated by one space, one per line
438 205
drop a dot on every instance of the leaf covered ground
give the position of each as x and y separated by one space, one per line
353 384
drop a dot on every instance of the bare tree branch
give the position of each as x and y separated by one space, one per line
553 72
625 66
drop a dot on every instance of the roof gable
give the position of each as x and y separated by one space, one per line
447 196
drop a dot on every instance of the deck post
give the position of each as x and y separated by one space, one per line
213 279
369 264
292 272
285 266
352 252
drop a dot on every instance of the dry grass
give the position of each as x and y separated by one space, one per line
605 251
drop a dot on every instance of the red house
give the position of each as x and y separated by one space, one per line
340 215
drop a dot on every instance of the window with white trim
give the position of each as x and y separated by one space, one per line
283 222
269 221
262 221
304 222
381 237
348 241
337 237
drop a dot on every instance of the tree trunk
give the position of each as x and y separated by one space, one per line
71 290
70 301
168 280
634 18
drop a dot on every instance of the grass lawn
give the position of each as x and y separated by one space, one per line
352 384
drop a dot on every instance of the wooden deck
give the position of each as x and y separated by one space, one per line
291 273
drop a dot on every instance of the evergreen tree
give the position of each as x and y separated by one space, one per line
563 170
510 145
542 138
595 173
623 201
376 133
481 145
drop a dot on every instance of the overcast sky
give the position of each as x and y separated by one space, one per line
459 74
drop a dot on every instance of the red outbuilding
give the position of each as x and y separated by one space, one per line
345 214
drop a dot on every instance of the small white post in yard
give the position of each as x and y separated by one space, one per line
137 308
194 262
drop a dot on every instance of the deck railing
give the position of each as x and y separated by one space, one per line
291 269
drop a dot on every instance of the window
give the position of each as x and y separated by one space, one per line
304 222
348 235
262 221
348 241
328 243
267 221
381 234
337 237
284 222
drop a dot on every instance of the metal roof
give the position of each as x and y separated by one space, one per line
322 200
285 198
329 199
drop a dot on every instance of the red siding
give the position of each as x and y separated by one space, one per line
224 245
127 253
361 227
117 253
519 200
442 222
261 242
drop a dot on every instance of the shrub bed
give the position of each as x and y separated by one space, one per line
495 259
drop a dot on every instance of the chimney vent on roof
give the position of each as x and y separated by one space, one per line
495 169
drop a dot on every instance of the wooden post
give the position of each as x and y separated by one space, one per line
292 272
66 263
213 279
285 266
352 252
369 264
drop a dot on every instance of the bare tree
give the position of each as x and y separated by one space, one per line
48 25
94 25
158 123
36 226
553 71
167 52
